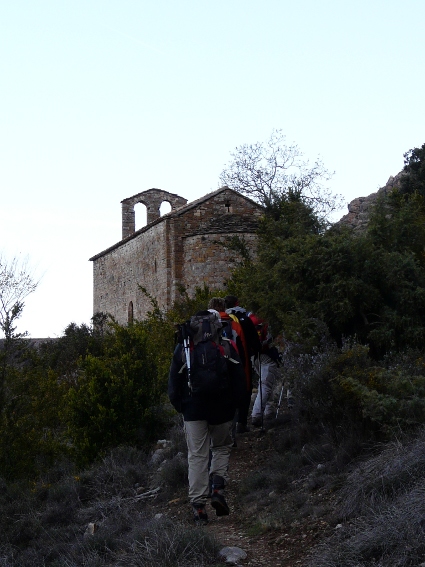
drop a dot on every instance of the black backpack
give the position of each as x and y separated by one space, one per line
208 372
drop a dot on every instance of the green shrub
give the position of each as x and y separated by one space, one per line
31 430
116 398
370 285
348 395
389 398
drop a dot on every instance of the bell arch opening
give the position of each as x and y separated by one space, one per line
140 214
165 208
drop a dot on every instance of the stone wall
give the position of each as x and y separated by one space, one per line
116 275
152 199
207 260
183 247
214 217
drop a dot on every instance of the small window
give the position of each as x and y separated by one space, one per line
130 313
228 206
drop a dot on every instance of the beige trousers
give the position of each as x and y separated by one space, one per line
200 438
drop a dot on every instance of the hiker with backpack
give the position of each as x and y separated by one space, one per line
231 327
266 367
206 382
251 348
232 330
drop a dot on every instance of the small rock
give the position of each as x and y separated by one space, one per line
91 529
158 456
232 554
175 501
158 516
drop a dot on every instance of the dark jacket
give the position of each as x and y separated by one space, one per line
215 409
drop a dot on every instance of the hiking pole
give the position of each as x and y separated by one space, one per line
261 394
280 399
186 346
289 399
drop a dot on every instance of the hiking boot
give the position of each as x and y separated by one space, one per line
267 422
210 483
242 428
256 421
218 502
200 517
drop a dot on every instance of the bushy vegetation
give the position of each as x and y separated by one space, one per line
48 523
93 389
382 509
349 308
370 286
79 415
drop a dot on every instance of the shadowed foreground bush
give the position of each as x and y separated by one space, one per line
44 525
385 497
164 544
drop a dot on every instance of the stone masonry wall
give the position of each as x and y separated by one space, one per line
182 247
206 260
152 199
197 258
116 275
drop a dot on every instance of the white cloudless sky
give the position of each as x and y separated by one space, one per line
103 99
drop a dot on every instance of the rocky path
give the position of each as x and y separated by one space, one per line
272 548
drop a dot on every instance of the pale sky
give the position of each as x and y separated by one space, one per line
102 99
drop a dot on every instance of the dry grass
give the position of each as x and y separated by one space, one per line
45 525
382 507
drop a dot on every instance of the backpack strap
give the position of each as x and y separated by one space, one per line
227 352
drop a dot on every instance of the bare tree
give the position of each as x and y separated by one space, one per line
266 171
16 283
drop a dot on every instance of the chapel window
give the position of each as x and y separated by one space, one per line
130 313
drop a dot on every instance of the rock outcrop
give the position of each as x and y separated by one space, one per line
359 209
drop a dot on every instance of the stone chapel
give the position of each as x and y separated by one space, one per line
181 248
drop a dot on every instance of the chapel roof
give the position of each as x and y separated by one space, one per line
172 214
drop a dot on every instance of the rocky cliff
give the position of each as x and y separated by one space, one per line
359 209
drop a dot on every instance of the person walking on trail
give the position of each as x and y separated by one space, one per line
266 367
232 330
206 382
251 347
231 326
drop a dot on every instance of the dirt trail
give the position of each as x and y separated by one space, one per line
270 548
